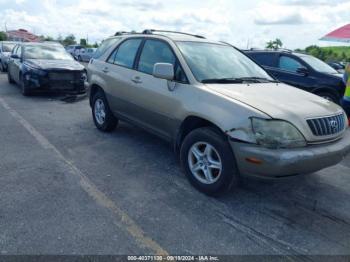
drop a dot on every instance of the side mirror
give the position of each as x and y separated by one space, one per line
163 71
302 70
13 56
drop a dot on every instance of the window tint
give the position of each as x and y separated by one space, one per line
263 59
125 54
289 64
105 46
155 52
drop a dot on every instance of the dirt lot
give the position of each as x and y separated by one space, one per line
67 188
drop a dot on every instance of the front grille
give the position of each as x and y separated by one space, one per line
64 76
327 126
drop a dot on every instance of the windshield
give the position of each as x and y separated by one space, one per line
209 61
318 65
7 47
46 52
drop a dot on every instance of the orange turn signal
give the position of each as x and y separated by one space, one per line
254 160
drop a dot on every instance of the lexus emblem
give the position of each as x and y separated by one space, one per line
333 124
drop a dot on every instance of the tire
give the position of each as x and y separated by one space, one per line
9 78
2 67
79 59
221 180
24 88
329 96
103 117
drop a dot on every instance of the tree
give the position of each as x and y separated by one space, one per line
274 44
83 42
69 40
3 36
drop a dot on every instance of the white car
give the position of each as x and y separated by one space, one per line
5 52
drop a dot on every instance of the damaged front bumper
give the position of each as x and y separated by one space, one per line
44 83
254 160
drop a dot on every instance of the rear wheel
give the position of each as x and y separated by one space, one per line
103 117
208 161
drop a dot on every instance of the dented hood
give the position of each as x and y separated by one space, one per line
55 64
279 101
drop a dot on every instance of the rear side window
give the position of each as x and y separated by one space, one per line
289 64
263 59
125 54
105 46
155 52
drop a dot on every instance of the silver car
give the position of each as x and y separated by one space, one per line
85 54
224 115
5 53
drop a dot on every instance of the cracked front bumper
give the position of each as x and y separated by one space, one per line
276 163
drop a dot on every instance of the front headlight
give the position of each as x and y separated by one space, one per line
277 134
34 71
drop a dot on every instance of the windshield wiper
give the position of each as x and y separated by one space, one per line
258 80
222 81
238 80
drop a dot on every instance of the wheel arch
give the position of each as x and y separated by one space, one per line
326 90
189 124
93 90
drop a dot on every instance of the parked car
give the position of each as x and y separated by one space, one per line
74 50
5 52
85 54
43 66
340 68
225 116
303 71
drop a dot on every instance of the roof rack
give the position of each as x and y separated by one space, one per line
151 31
125 33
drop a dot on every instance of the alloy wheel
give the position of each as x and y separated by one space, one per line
205 163
100 111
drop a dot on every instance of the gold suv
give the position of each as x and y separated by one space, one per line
225 116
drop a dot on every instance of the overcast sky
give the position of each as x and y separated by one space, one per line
298 23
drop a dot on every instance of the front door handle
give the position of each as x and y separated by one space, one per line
105 70
136 80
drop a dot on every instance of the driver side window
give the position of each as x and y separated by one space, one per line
289 64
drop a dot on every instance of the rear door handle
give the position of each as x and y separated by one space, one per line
136 80
105 70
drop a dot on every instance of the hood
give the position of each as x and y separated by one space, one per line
55 64
279 101
7 54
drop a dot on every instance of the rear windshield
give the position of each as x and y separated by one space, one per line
46 52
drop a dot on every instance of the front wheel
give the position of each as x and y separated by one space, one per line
2 67
24 87
208 161
103 117
9 78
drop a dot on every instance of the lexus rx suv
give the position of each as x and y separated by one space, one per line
224 115
302 71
